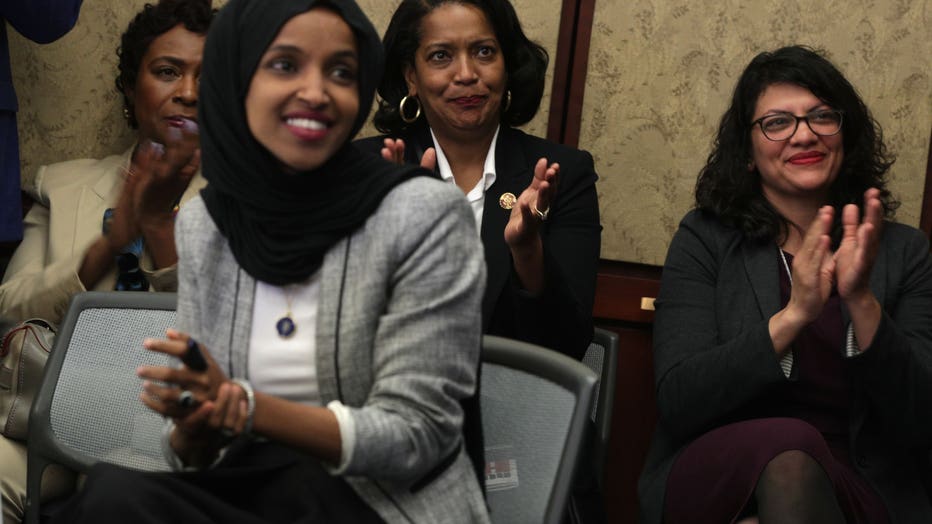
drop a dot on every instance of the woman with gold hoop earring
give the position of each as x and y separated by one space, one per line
476 76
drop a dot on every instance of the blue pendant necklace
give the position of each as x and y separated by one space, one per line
285 325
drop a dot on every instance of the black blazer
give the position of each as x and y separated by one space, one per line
713 354
561 317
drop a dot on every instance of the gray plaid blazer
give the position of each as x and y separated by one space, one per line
398 339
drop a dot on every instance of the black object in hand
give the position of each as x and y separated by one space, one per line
193 358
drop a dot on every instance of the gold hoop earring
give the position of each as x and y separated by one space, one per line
507 100
401 109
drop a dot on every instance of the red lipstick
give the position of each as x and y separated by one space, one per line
469 102
806 158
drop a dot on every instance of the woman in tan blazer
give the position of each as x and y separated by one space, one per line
92 215
66 249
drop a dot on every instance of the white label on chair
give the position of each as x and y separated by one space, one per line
501 468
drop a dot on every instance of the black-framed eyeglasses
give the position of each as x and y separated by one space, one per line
782 126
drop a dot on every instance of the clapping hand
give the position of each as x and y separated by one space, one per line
813 270
816 268
394 151
532 207
155 181
857 251
161 173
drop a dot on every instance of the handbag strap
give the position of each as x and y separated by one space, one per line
25 325
5 347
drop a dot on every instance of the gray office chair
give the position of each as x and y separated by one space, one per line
535 405
602 358
88 408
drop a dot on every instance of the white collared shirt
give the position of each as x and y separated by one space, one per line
475 196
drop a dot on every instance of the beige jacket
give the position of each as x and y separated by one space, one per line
66 219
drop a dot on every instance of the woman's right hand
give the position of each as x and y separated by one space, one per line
157 177
813 269
162 174
812 276
394 151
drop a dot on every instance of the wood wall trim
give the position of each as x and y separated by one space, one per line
577 87
620 290
569 74
562 64
925 220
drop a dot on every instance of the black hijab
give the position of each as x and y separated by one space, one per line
280 225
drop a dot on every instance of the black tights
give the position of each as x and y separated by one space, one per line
793 488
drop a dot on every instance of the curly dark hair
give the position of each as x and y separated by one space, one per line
525 61
726 188
149 24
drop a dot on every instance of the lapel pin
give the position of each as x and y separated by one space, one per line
507 200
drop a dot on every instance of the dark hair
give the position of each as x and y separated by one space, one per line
525 61
149 24
726 188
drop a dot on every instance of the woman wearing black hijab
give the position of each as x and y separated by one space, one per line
338 291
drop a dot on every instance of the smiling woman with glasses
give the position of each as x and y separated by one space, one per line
793 332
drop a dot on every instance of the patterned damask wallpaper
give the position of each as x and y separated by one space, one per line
659 75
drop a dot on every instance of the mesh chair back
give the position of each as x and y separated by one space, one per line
88 406
535 405
602 358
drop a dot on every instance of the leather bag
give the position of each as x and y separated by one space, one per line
23 353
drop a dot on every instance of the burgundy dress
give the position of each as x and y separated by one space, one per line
713 478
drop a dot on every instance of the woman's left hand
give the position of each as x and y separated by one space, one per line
854 260
532 207
857 250
522 232
217 406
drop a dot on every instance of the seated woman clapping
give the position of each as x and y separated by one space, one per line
460 77
793 336
109 224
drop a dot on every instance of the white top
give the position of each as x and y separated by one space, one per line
287 367
476 195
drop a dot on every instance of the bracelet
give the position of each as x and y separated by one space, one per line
250 402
